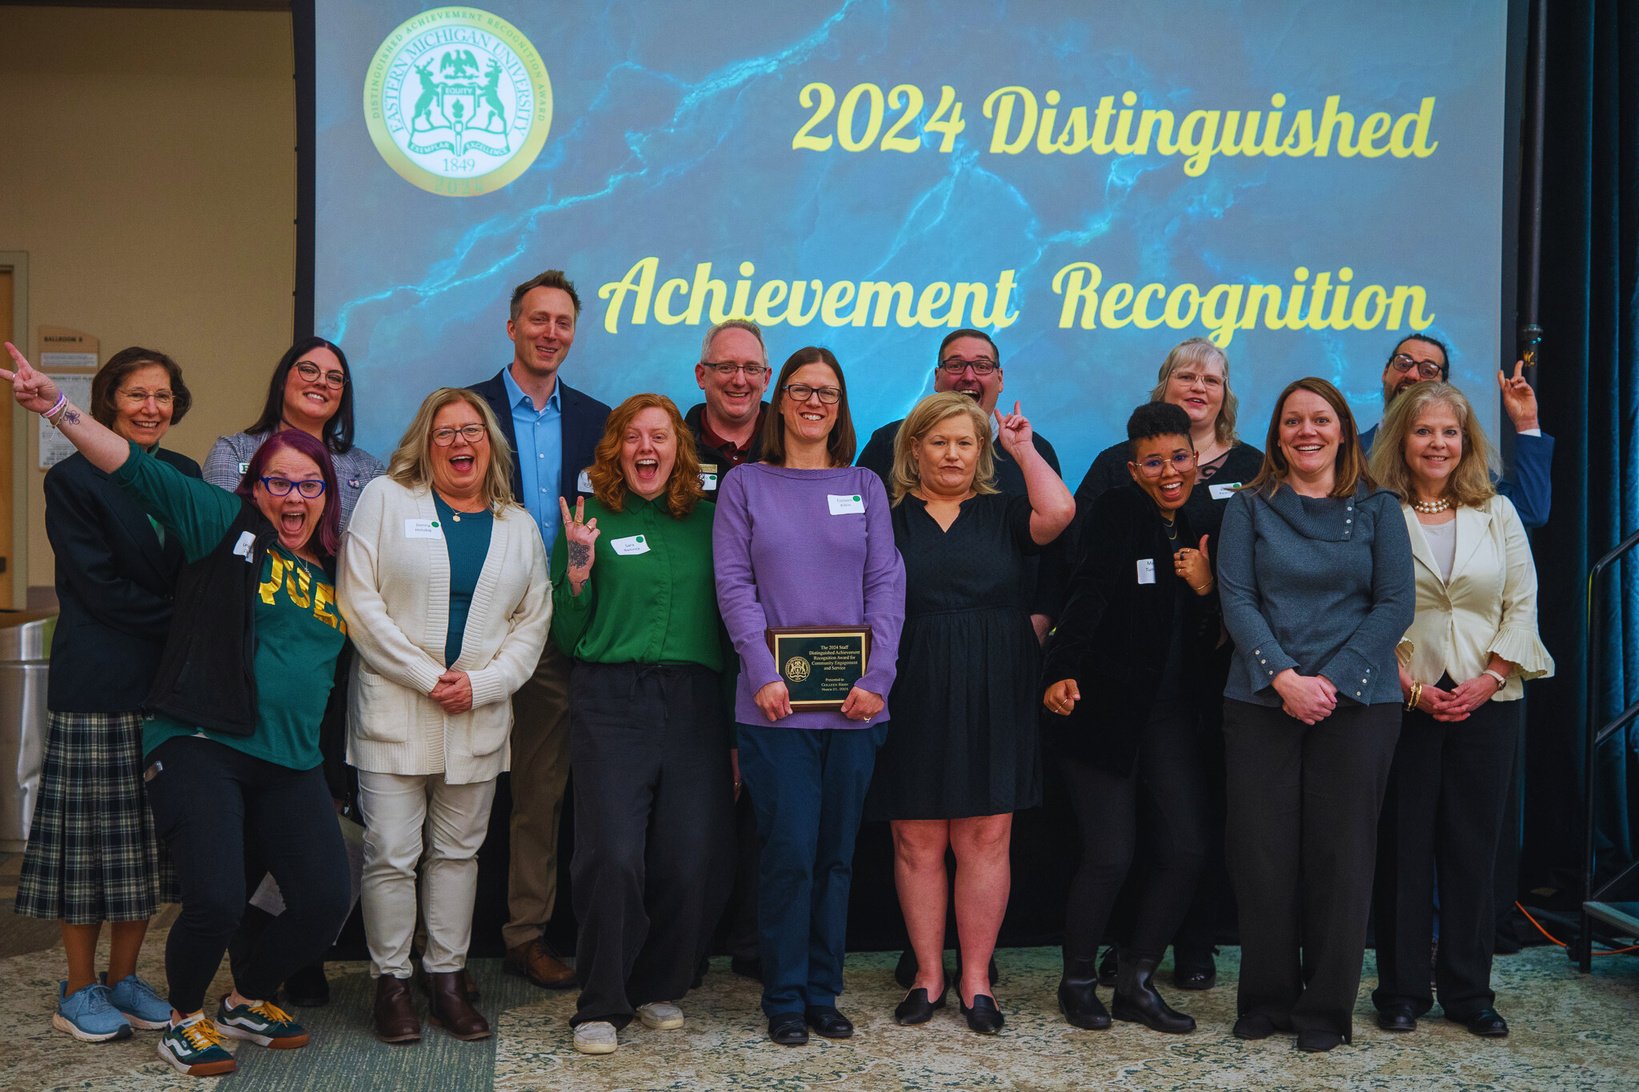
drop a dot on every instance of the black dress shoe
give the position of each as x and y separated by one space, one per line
1195 978
982 1016
827 1021
1318 1042
917 1009
788 1029
1254 1025
1110 966
1397 1018
1487 1022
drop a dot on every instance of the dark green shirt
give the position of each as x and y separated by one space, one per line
299 630
466 537
652 594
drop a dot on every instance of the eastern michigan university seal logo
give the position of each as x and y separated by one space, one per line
458 101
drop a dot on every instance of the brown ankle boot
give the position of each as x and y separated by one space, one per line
395 1018
450 1008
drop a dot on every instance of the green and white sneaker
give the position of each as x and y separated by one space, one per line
195 1047
263 1023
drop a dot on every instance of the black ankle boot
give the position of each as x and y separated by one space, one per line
1077 997
1137 1001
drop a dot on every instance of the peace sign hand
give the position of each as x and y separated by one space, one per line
579 533
33 390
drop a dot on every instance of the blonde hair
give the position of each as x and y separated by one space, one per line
411 464
683 489
1196 350
1469 483
929 412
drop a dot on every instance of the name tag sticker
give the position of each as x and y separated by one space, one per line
708 482
1224 491
630 545
422 528
242 468
842 506
583 484
1146 570
246 543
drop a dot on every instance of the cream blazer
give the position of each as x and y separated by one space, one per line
394 585
1488 606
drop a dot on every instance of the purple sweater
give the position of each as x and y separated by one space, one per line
783 559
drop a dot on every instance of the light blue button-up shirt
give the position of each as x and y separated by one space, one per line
540 455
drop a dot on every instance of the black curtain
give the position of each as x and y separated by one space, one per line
1589 388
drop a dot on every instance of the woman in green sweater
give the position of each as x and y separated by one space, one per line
634 604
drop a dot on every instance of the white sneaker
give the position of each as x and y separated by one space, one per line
596 1037
660 1015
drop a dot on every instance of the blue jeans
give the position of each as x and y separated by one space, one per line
807 788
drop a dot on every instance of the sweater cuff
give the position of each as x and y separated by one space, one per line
487 687
1263 664
1351 673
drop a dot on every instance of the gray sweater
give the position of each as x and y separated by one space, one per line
1323 586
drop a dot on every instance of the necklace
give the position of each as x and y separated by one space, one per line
1171 526
1433 507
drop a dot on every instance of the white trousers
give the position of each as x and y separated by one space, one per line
397 810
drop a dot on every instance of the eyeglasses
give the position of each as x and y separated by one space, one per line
981 365
1154 468
472 434
802 392
138 397
310 371
727 369
1207 380
1426 369
281 487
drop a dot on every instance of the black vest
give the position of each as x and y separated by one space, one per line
207 674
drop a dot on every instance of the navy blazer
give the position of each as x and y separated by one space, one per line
1528 481
115 584
583 419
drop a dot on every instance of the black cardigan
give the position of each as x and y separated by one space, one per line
115 583
1115 632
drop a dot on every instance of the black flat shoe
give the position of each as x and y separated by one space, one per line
1487 1023
1318 1042
917 1009
1253 1026
1397 1018
788 1029
982 1016
828 1022
1195 978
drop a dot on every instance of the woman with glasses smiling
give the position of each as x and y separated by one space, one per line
804 539
443 576
93 855
1123 667
311 390
231 739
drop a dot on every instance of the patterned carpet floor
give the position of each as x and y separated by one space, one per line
1569 1032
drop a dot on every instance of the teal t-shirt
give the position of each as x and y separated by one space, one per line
466 537
299 630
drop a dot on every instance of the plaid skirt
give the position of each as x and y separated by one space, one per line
92 852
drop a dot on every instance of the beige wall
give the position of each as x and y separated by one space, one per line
147 167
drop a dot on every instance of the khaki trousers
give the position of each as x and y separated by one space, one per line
540 772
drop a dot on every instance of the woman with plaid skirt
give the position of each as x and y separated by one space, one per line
92 852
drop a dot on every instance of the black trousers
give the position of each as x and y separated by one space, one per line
1302 839
1442 818
653 800
208 801
1151 823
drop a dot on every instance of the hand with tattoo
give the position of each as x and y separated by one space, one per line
579 533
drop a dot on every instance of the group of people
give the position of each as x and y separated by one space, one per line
1308 655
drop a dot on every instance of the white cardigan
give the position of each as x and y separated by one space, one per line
1488 606
394 586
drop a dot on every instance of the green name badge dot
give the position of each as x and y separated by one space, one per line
435 523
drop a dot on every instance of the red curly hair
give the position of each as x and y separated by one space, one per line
683 488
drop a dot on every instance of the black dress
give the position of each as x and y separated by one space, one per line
964 740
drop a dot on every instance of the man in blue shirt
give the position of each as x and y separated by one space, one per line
554 430
1527 481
